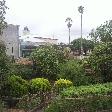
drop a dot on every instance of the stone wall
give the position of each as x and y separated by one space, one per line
10 37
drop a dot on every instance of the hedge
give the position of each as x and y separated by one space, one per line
84 98
97 89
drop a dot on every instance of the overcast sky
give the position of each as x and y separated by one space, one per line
47 17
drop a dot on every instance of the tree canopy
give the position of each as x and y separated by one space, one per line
102 33
3 8
86 45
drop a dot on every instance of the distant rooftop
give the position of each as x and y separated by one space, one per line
32 36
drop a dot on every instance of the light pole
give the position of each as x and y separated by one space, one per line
81 10
69 20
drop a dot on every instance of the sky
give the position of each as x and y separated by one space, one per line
47 17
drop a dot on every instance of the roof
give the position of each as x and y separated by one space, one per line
31 38
34 38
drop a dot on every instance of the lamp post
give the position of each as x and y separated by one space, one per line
81 10
69 20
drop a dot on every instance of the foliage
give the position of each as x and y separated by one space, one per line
81 105
3 59
81 9
25 71
28 102
60 53
3 8
86 45
61 84
1 106
4 65
38 85
91 90
93 36
15 87
46 62
84 98
90 73
101 61
103 33
73 71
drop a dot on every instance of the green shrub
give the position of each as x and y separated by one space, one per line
101 61
84 98
97 89
46 61
25 71
29 102
15 87
1 106
4 64
95 104
74 71
38 85
61 84
93 77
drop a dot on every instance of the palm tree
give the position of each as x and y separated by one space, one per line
81 10
69 20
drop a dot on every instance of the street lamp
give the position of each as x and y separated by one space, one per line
69 20
81 10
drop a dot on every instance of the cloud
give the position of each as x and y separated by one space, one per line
47 17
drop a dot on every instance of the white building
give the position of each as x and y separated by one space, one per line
27 40
35 40
10 37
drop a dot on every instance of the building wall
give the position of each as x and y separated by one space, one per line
10 37
51 41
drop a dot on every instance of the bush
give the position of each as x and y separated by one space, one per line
4 65
97 89
92 76
29 102
61 84
101 61
39 85
15 87
84 98
1 106
24 71
74 71
46 61
95 104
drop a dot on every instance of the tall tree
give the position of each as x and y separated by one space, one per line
102 33
4 60
86 45
81 10
69 20
3 8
